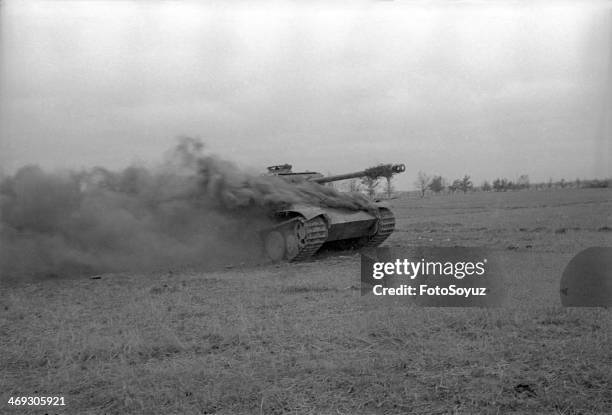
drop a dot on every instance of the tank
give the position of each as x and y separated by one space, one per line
301 230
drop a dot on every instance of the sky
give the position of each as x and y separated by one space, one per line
449 88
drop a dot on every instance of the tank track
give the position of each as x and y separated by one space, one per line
386 226
316 235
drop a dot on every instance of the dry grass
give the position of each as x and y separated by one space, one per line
300 339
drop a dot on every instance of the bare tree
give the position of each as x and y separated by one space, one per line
577 183
354 186
523 182
422 182
370 183
436 184
455 185
500 184
465 184
384 170
388 187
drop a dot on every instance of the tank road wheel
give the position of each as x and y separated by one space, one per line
300 232
274 243
297 240
310 235
292 246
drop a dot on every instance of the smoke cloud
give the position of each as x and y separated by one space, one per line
194 209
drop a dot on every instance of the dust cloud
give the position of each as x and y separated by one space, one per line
193 209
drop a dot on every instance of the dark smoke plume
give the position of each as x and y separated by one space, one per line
194 210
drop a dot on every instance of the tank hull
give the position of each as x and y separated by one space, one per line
346 224
302 230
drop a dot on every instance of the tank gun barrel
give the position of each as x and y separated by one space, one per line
383 170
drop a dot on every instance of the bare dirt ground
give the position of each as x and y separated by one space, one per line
299 338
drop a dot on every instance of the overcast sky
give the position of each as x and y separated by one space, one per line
449 88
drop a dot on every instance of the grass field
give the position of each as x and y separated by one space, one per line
299 338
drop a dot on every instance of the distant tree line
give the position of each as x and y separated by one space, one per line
438 184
